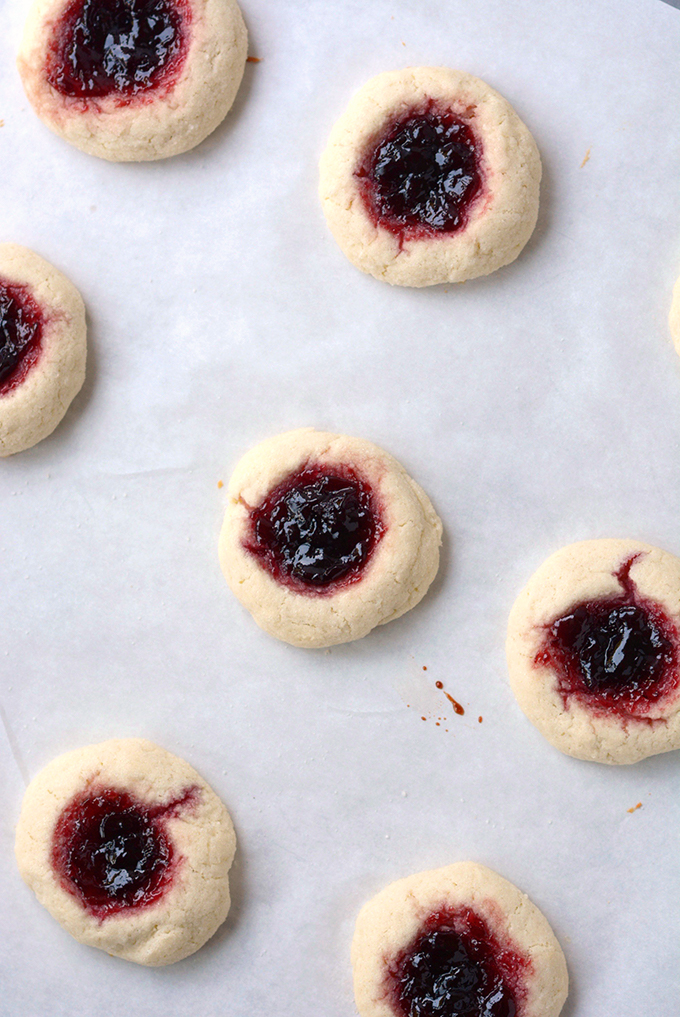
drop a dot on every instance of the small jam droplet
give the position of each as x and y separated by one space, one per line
457 708
454 703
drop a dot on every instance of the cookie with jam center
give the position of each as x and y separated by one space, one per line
326 536
459 941
594 650
133 80
430 177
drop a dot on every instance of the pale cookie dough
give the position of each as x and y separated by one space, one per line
155 121
585 725
395 577
674 316
35 401
459 898
194 899
502 215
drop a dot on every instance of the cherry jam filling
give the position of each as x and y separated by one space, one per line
456 967
112 851
21 327
122 47
423 175
617 653
317 529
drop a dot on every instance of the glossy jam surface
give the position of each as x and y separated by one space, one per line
317 529
456 967
120 47
423 175
112 851
21 328
619 653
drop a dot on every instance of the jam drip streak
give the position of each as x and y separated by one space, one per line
457 968
316 530
421 178
112 851
21 327
122 47
617 653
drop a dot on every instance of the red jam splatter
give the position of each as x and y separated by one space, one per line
316 531
118 47
422 176
112 852
21 329
616 654
457 967
457 708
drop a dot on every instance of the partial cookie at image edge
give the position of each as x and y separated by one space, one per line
395 921
36 400
575 721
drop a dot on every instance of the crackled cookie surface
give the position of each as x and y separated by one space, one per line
460 941
129 849
42 347
430 177
131 80
325 537
594 650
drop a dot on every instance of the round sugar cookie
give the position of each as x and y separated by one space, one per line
452 941
430 177
325 537
674 316
129 849
133 80
42 347
594 650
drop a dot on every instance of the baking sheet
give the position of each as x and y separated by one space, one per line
537 407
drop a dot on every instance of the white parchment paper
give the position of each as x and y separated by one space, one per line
537 407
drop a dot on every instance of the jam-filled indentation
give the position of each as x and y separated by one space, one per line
112 851
317 529
21 330
457 967
421 177
117 47
616 653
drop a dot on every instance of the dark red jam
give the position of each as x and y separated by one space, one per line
317 529
457 967
617 653
112 852
119 47
423 175
21 328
